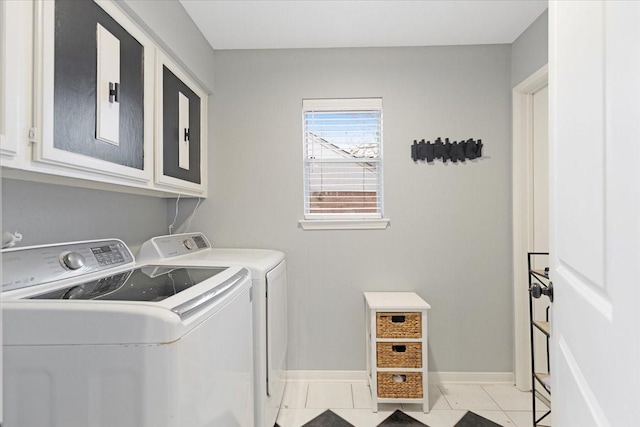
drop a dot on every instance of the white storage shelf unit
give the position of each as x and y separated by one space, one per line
396 335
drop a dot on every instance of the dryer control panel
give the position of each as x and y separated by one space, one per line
164 247
35 265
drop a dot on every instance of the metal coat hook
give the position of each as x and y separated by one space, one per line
446 150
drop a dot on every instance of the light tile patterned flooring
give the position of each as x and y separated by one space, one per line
502 404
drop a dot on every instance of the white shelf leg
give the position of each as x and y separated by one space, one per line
425 365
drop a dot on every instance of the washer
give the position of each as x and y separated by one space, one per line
93 339
269 275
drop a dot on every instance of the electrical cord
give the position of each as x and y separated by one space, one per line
192 214
10 239
175 218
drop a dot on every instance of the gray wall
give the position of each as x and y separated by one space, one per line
530 51
450 233
171 26
47 213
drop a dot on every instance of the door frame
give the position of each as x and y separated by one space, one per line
522 196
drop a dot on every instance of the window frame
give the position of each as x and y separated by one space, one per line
322 221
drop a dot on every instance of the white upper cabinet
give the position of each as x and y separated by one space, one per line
82 86
181 117
15 78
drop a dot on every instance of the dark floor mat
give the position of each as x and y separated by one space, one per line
328 419
400 419
474 420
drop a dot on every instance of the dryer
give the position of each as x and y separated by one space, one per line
269 280
92 338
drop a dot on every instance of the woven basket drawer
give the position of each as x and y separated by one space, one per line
399 355
399 325
396 385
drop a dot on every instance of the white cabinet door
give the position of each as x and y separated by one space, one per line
94 93
181 130
15 79
3 72
594 70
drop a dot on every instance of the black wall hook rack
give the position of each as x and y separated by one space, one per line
444 150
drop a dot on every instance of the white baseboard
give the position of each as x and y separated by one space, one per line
471 378
326 376
434 377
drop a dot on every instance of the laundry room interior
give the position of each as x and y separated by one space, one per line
449 231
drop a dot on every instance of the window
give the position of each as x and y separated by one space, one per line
342 148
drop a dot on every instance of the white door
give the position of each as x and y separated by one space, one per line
594 70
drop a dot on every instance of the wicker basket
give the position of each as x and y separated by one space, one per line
399 355
399 325
404 385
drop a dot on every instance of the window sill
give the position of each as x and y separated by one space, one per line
344 224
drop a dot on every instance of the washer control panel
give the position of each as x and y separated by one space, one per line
164 247
108 254
35 265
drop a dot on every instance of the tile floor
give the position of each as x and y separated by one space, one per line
504 405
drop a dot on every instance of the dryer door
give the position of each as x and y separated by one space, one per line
276 328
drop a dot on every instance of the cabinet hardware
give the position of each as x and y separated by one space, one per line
33 135
114 92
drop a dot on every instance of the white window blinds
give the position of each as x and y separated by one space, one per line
342 158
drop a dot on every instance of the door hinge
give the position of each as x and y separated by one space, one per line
32 135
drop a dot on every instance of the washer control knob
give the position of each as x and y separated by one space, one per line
73 260
188 243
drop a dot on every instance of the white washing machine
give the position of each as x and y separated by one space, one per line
93 339
269 275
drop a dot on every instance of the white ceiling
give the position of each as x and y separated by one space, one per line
267 24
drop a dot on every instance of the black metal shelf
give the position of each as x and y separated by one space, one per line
543 398
543 326
539 284
541 377
542 274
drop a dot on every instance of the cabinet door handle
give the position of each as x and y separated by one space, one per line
398 319
399 348
114 92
